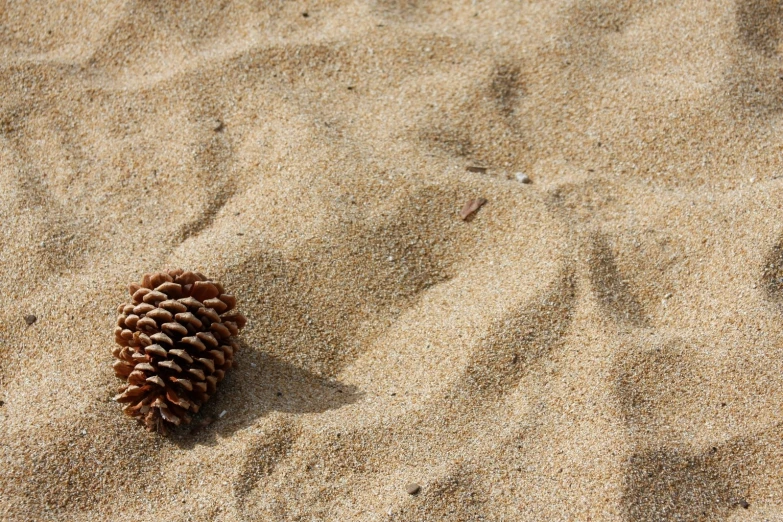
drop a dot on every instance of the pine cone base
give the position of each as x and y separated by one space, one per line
177 339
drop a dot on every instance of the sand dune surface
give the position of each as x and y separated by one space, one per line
602 343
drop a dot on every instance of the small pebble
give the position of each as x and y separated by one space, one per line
217 125
30 319
413 488
522 177
222 414
744 504
667 296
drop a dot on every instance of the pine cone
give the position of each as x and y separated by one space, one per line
176 341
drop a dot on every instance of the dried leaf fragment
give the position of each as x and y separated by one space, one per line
471 207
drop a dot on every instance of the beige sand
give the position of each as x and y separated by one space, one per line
604 343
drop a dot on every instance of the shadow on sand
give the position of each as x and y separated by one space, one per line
258 385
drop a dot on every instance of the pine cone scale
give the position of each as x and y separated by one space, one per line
186 384
142 308
170 289
155 349
173 306
204 290
181 354
220 330
155 379
208 338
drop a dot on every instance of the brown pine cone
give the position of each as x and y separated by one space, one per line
176 341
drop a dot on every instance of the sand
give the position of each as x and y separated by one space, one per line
602 343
